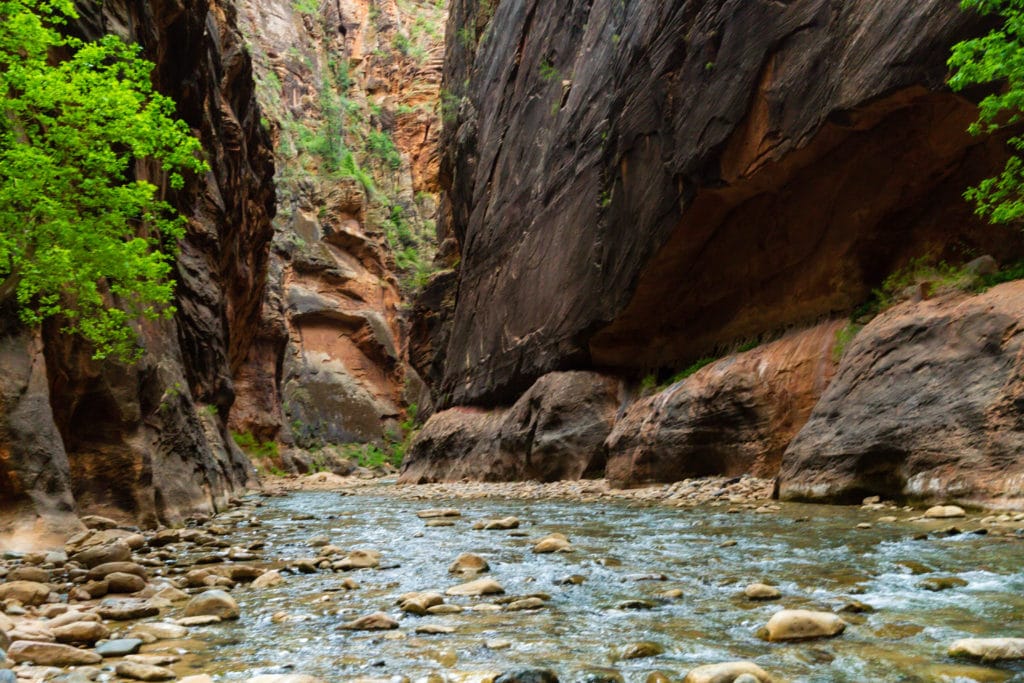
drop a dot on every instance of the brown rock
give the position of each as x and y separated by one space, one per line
213 603
143 672
25 592
469 563
726 672
34 574
378 621
101 571
954 361
120 582
736 416
730 198
51 654
556 430
800 624
87 632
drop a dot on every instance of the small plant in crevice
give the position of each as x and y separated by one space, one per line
844 336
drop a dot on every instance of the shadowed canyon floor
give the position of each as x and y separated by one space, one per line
638 587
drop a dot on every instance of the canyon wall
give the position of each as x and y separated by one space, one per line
635 185
701 195
149 442
349 92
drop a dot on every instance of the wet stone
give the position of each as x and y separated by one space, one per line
119 647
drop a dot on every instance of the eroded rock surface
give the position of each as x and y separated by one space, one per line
149 441
556 430
736 416
607 217
926 403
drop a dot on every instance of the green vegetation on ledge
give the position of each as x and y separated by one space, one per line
77 232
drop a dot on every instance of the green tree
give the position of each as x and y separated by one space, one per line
77 231
997 57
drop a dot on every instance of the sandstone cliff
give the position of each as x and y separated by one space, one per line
349 90
149 442
637 188
633 185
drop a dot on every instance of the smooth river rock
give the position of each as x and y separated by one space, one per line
801 624
51 654
988 649
475 588
215 603
727 672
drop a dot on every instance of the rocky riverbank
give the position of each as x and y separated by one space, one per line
117 603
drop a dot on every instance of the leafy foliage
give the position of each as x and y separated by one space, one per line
74 227
997 57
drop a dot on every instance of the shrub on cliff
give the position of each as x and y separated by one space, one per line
77 231
997 57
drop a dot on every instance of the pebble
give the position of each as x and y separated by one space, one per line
527 676
941 583
434 629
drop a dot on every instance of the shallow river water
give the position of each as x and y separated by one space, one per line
813 554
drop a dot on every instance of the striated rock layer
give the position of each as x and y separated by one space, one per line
736 416
149 441
633 185
556 430
927 403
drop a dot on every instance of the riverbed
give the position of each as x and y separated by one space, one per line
665 575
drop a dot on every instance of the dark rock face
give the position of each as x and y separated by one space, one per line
149 441
556 430
736 416
634 184
928 402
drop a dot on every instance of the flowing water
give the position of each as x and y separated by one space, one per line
813 554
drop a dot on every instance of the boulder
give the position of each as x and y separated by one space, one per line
87 632
924 404
143 672
556 430
735 416
468 563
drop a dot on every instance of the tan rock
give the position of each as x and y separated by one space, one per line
268 579
438 512
476 588
800 624
51 654
469 563
213 603
989 649
25 592
359 559
727 672
760 591
944 512
555 543
87 632
143 672
378 621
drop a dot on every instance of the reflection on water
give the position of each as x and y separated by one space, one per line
821 562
